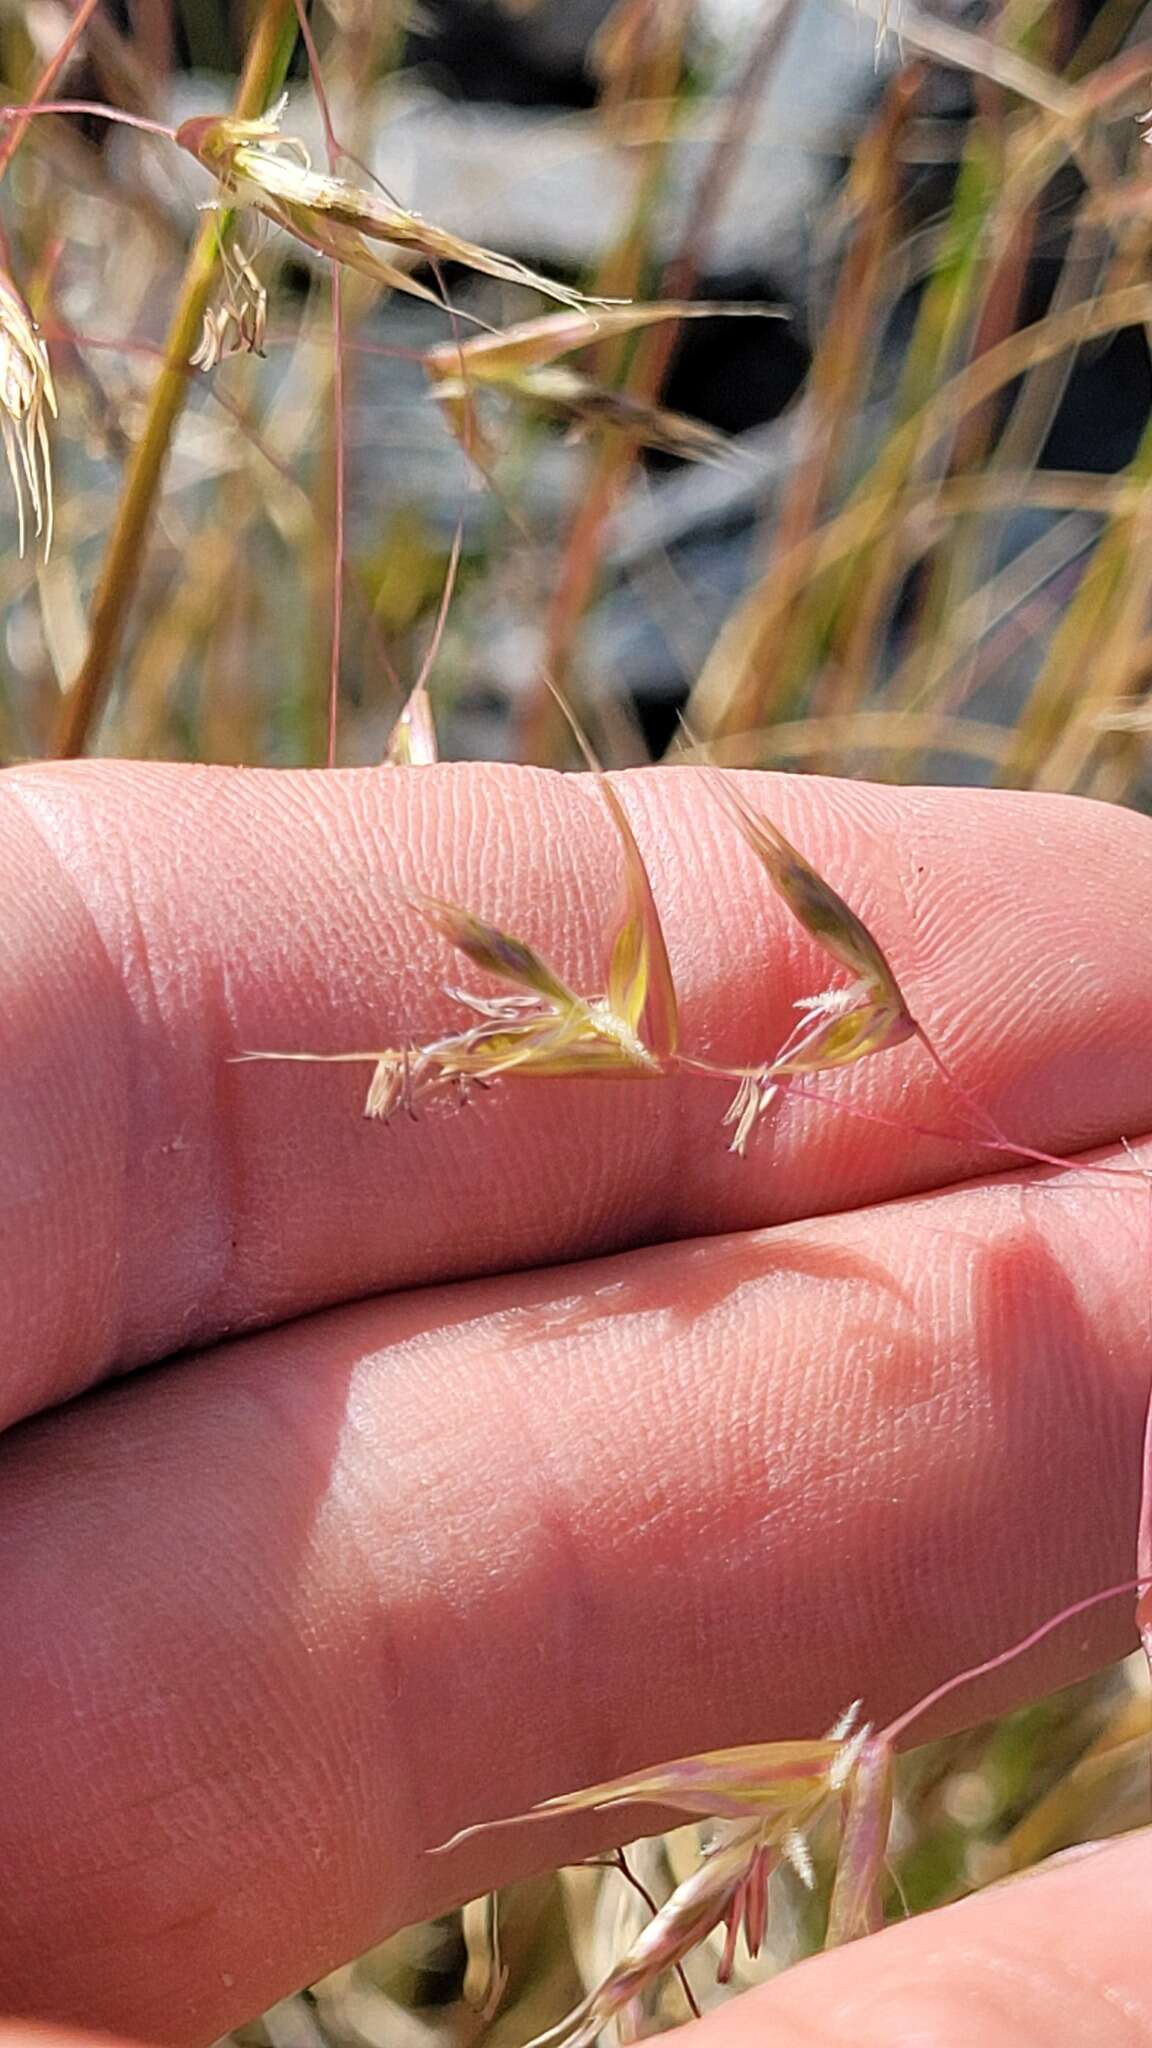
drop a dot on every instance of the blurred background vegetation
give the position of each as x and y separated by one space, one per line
899 528
878 560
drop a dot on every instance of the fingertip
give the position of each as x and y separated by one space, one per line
1059 1961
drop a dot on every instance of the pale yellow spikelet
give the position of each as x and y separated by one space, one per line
258 166
522 362
839 1026
413 742
27 395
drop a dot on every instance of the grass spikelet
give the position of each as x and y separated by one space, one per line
753 1782
494 951
856 1906
814 902
641 988
521 361
586 404
237 323
502 357
256 165
27 395
540 1028
413 743
840 1026
729 1884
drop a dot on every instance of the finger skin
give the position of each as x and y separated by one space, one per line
282 1617
18 2034
159 919
1055 1960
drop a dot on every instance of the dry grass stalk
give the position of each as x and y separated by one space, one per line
267 60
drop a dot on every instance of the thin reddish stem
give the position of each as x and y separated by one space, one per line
331 143
340 493
337 154
899 1726
790 1085
1031 1154
22 115
45 82
450 574
619 1861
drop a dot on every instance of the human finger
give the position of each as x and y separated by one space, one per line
159 920
1058 1959
282 1617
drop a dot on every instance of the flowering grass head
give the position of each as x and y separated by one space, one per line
880 1015
541 1027
766 1798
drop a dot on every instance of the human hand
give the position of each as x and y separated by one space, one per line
284 1613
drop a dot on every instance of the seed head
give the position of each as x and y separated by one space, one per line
729 1884
522 361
